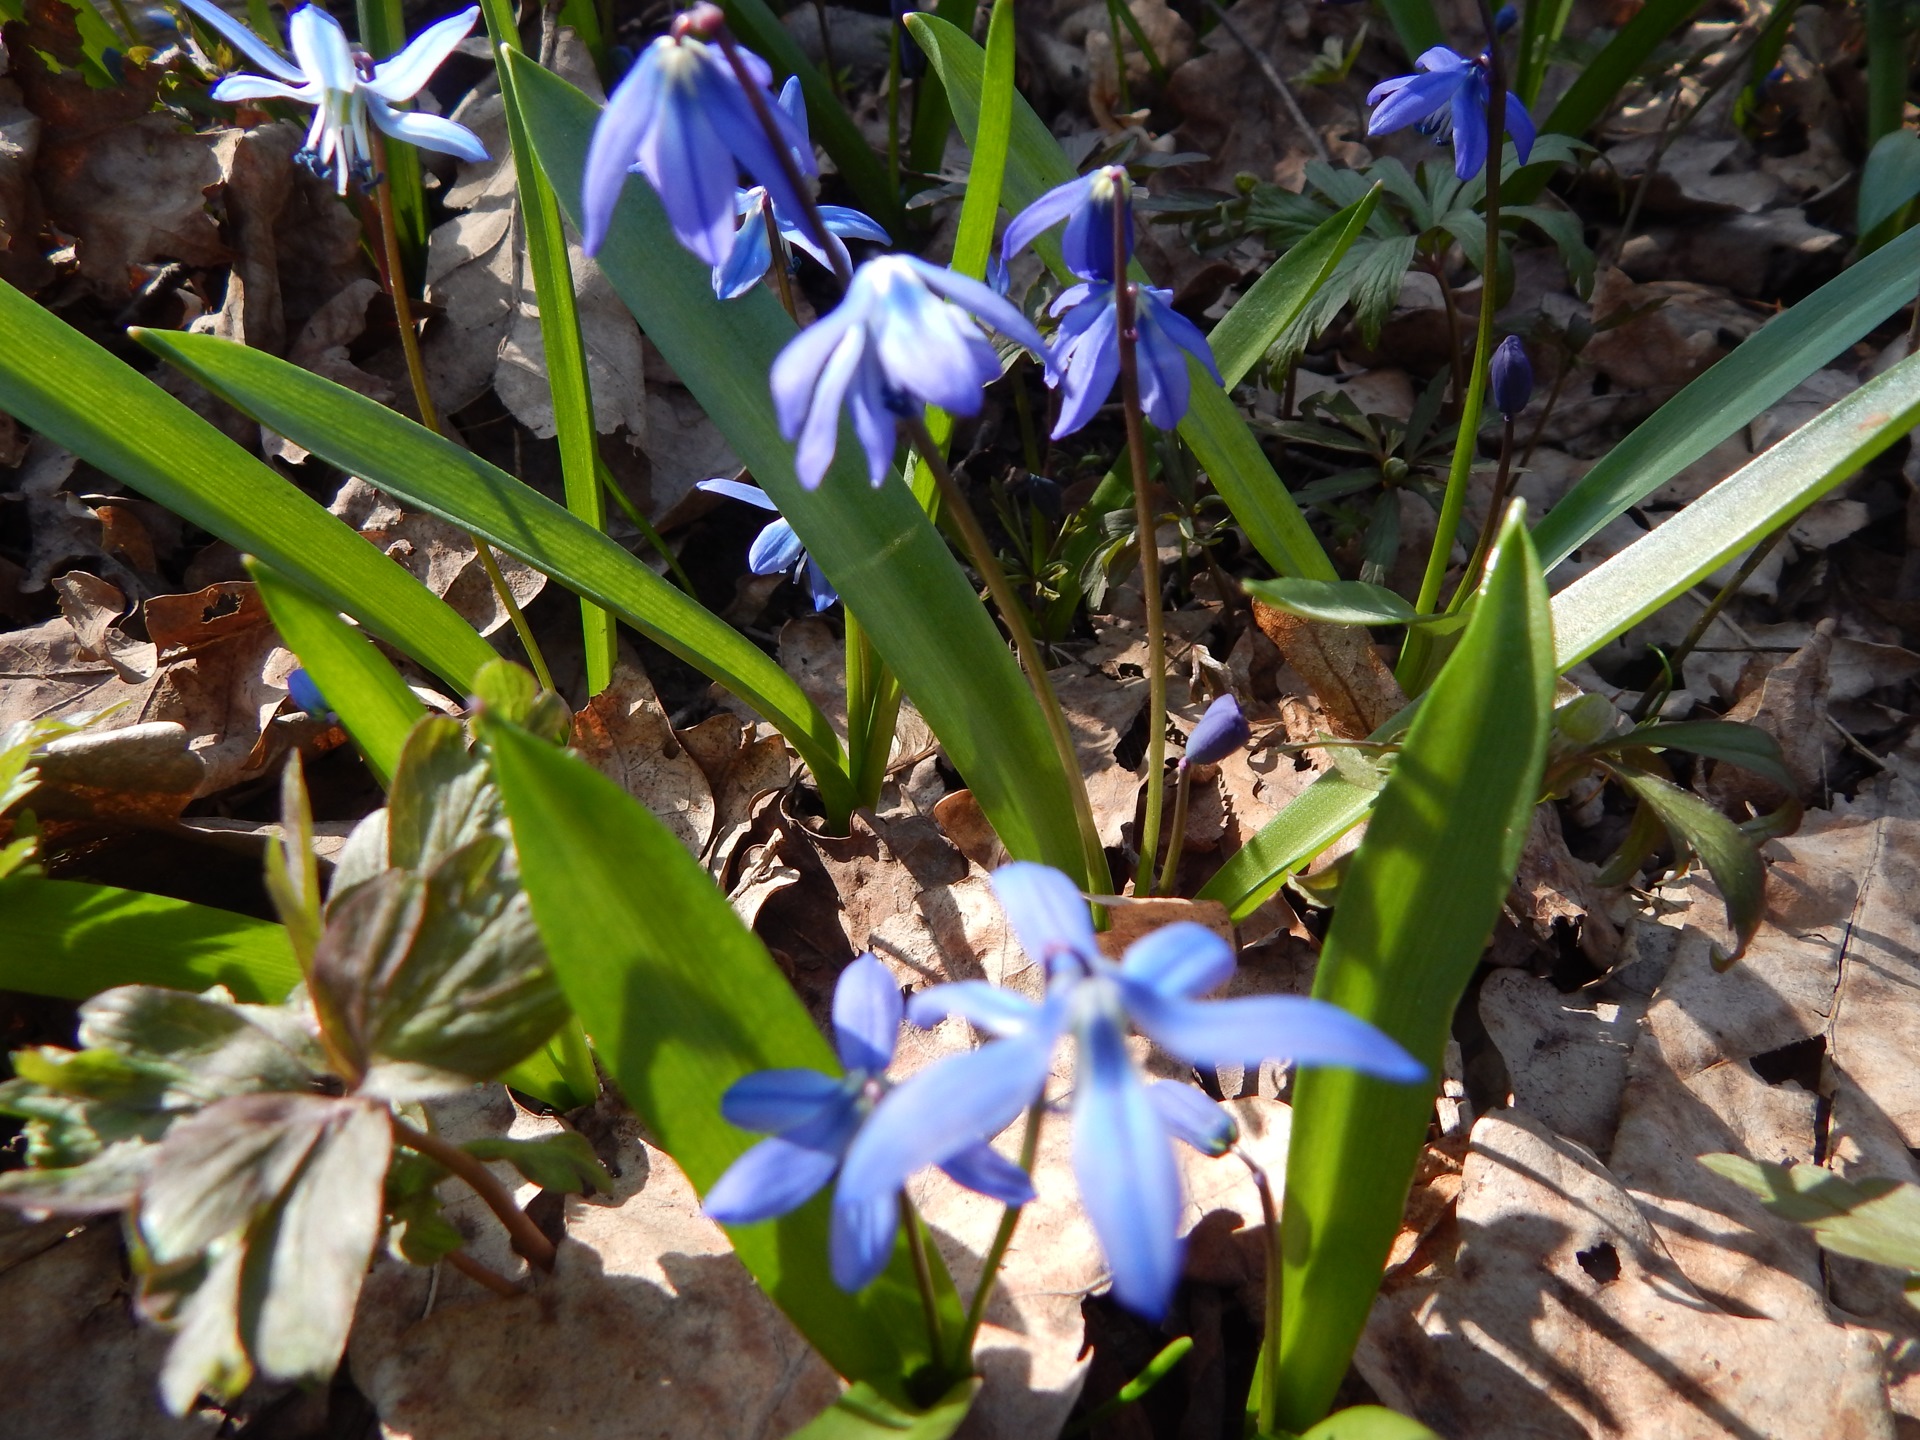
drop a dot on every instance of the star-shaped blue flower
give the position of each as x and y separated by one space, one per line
901 339
1128 1179
1448 100
814 1117
776 549
1086 204
682 119
1087 350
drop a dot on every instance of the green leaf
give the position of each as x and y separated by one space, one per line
364 690
1369 1422
980 207
365 438
1890 179
1214 429
1764 493
1873 1218
865 1414
1541 25
1338 602
1311 821
876 546
1730 857
71 940
553 1162
1765 367
682 1000
564 352
63 385
932 115
1416 906
1416 24
1747 746
1602 79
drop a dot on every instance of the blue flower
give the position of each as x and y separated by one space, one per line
1449 99
776 548
682 119
306 694
1221 731
753 253
813 1117
327 75
1086 205
1087 350
899 340
1512 376
1129 1181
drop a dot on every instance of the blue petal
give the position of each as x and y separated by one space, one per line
1190 1115
866 1015
244 40
1442 61
1046 910
1090 366
775 550
1412 102
874 419
400 78
844 220
793 101
819 587
776 1101
861 1241
1180 330
989 1008
1179 961
427 132
616 140
1049 210
1519 126
1087 244
751 255
796 369
1164 382
691 170
738 490
945 1108
981 301
923 348
772 1178
1129 1184
1469 129
1268 1027
1221 731
730 113
984 1170
320 48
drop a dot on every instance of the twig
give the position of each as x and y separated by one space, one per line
1274 80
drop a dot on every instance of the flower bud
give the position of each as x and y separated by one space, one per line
307 695
1221 731
1512 377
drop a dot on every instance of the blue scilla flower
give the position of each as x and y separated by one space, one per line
902 338
776 549
327 75
1128 1179
1087 351
1086 204
753 252
813 1117
1512 376
682 119
1449 99
1221 731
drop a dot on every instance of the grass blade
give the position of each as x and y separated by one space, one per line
69 389
1415 910
1619 60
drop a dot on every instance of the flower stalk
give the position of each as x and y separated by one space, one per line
997 1251
529 1241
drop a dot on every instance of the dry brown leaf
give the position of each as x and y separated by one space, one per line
1790 704
1566 1055
623 733
741 772
1339 662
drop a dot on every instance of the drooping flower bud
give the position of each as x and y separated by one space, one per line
1512 377
307 695
1221 731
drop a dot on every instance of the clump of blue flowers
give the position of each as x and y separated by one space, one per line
1123 1126
812 1118
1448 99
327 74
752 253
776 549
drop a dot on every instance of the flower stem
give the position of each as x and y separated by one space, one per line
1014 615
1123 298
922 1274
1489 527
1269 1403
1177 839
483 1274
893 104
527 1237
395 275
997 1252
763 112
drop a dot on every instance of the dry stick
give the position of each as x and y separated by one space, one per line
826 52
482 1274
396 279
1013 614
1143 519
528 1239
1279 85
1754 560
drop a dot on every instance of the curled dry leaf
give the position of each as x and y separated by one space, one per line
623 733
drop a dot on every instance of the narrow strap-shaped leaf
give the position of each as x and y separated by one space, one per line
1601 79
932 115
69 389
877 546
1415 23
864 1414
564 352
386 449
1416 907
1730 857
1310 822
383 32
367 693
1338 602
72 940
681 1000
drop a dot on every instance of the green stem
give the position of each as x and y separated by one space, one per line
1177 839
922 1273
997 1252
394 274
1489 527
1013 614
893 105
641 523
1269 1403
529 1241
1755 558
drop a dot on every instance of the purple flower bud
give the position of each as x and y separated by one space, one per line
1512 377
307 695
1504 19
1221 731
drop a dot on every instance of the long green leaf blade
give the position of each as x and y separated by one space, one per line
68 388
1311 821
1619 60
386 449
1414 913
681 1000
876 545
863 1414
